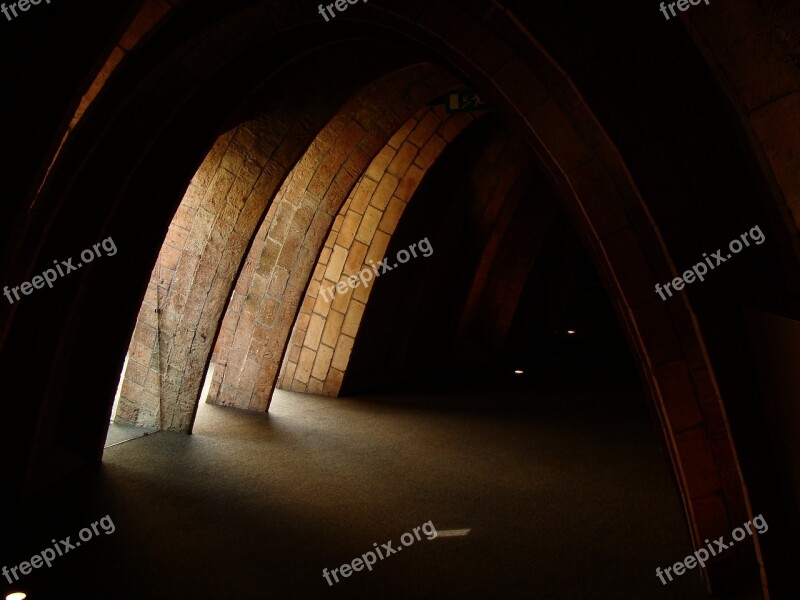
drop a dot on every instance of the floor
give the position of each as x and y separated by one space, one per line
565 492
119 433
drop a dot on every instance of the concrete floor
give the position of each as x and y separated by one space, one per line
566 493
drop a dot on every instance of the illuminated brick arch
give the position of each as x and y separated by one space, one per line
324 331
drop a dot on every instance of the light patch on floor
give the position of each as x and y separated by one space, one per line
119 433
452 532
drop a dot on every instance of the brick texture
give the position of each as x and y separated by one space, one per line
361 233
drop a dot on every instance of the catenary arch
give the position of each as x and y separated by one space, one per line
327 324
505 61
486 208
217 221
508 252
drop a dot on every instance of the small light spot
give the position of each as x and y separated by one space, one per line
570 332
452 532
519 372
17 596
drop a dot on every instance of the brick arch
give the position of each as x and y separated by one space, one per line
601 196
323 333
506 207
257 325
192 270
508 252
216 222
502 180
